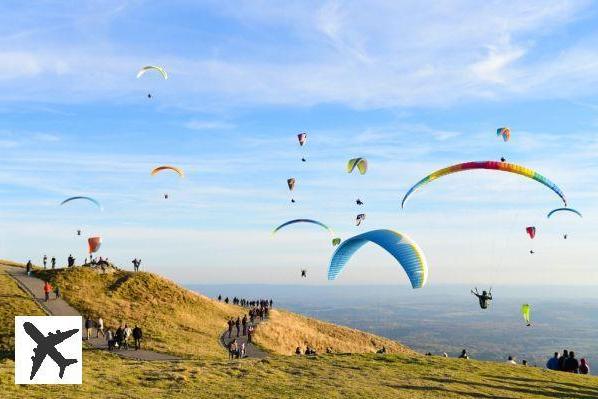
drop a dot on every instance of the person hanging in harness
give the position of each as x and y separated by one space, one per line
484 297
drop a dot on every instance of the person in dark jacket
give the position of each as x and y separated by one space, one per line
562 360
238 325
137 335
244 323
119 336
29 267
572 364
88 327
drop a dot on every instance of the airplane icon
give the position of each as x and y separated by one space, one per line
46 346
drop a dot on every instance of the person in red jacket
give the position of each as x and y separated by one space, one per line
47 290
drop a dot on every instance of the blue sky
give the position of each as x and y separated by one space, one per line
412 87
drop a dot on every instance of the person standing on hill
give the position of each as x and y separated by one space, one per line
100 329
88 327
464 354
244 322
553 362
562 360
45 261
584 367
127 332
137 335
28 267
238 325
47 290
110 339
571 364
219 298
511 361
53 261
230 327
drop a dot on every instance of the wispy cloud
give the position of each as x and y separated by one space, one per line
208 125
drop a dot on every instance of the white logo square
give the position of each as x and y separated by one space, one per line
48 350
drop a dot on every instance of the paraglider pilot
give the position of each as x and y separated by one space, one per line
484 297
359 202
303 273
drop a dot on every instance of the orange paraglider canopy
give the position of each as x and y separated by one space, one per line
94 244
159 169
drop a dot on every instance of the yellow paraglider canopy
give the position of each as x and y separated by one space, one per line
360 163
159 169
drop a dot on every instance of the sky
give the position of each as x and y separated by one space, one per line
410 86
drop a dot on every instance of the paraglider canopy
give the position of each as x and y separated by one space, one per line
159 169
302 138
531 231
147 68
291 183
504 132
564 210
92 200
405 251
360 218
335 240
94 244
489 165
526 313
360 163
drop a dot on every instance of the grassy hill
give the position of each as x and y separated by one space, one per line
402 375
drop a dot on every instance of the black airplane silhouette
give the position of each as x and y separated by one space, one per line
46 346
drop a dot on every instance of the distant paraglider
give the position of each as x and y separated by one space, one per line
302 138
147 68
176 170
402 248
335 240
504 132
291 185
360 163
484 297
94 244
92 200
359 202
526 313
78 232
303 273
531 231
489 165
359 218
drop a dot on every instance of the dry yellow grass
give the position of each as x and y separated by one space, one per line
174 320
285 331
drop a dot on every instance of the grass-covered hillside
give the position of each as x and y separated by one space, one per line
285 331
402 375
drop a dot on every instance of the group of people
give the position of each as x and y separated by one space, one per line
568 363
52 262
236 350
246 303
136 264
48 290
309 351
119 339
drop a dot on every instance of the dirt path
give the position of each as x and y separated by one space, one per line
59 307
251 350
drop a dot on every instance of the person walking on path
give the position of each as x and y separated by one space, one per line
230 327
88 327
57 292
100 329
110 339
244 322
137 335
127 332
232 349
53 261
45 261
238 325
250 334
47 290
